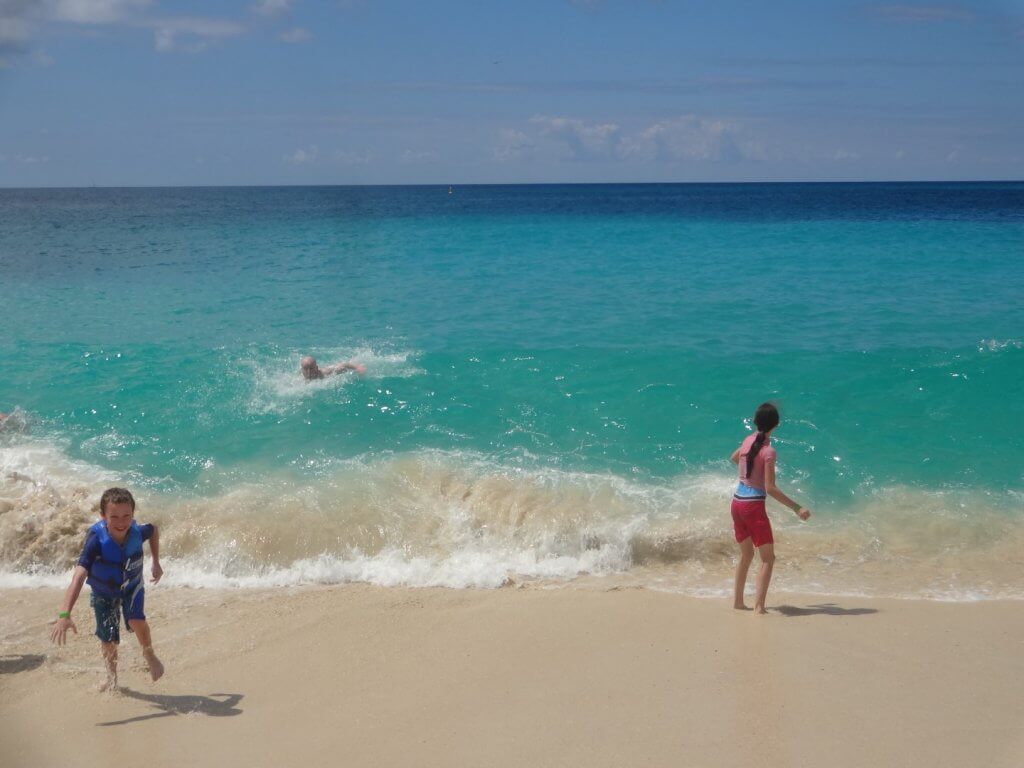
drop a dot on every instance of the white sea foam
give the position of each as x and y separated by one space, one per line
393 568
33 580
460 519
998 345
278 386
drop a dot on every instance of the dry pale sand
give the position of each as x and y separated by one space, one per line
364 676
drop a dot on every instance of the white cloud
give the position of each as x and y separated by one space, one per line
13 30
352 158
513 145
19 20
94 11
582 139
272 7
413 157
163 40
673 140
197 32
303 155
295 35
921 13
690 137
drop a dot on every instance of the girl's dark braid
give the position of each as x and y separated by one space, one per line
754 450
766 418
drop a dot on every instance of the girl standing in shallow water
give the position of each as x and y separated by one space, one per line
756 461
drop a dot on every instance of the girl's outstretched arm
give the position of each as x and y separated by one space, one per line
773 490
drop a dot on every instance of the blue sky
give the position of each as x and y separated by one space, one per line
148 92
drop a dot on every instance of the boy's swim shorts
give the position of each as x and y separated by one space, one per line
750 520
108 613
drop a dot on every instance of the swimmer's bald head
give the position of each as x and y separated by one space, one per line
310 370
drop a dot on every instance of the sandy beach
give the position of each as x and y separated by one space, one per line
359 675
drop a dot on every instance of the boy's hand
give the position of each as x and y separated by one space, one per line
157 572
804 513
59 633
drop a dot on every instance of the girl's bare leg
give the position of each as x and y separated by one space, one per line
141 630
764 576
746 557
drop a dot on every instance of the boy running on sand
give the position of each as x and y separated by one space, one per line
111 562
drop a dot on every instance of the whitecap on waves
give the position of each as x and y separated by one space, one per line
47 500
462 519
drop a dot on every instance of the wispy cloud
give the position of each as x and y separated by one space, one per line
691 137
13 31
513 145
848 62
15 24
587 5
583 140
681 86
415 157
29 159
352 158
454 87
190 34
295 35
918 14
272 7
302 156
20 21
95 11
673 140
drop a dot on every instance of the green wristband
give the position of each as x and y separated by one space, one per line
64 615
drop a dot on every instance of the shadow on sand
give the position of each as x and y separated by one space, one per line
214 705
825 609
19 662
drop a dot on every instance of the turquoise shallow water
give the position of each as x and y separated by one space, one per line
556 376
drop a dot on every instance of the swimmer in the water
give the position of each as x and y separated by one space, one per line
311 371
15 420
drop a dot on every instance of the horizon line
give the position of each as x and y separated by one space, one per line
511 184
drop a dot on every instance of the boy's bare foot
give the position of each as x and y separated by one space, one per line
740 607
761 611
156 668
109 684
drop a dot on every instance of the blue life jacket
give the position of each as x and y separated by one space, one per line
119 566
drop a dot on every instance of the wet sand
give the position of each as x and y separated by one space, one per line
367 676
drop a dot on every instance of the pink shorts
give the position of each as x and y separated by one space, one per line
750 520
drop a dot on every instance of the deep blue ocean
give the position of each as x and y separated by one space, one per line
556 376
